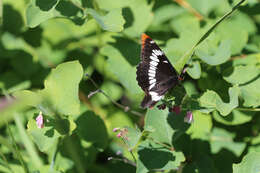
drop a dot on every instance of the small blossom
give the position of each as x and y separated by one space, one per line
39 121
116 129
119 135
176 109
189 117
119 152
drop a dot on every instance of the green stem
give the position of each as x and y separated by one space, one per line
249 109
162 144
17 151
184 59
131 152
29 146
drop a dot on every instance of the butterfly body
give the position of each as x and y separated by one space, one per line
155 74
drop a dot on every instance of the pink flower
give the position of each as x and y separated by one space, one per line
189 117
119 135
39 121
176 109
116 129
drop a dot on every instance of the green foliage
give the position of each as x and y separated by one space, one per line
250 163
113 21
74 63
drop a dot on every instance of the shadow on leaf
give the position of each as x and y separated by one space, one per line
153 158
129 49
45 5
91 128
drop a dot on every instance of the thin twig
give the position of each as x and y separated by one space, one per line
125 160
249 109
186 5
125 108
131 152
162 144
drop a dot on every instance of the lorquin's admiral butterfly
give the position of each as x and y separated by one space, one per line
155 74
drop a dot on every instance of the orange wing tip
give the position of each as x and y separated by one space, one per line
143 38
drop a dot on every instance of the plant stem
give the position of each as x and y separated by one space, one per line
186 5
131 152
162 144
17 151
29 146
249 109
125 160
125 108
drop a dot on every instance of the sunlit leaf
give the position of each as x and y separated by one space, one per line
212 100
250 164
240 74
113 21
221 139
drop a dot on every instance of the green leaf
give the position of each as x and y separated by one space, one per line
35 15
194 70
182 23
119 66
204 6
254 144
62 163
153 156
176 48
133 137
251 59
45 138
212 100
249 164
185 57
13 43
220 139
140 17
236 117
113 21
165 13
91 128
201 126
251 93
112 4
240 74
238 36
61 88
114 90
220 55
166 127
28 97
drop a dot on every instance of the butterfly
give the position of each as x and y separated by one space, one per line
155 74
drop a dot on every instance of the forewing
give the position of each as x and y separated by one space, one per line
155 74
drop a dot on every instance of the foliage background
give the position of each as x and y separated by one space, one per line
47 47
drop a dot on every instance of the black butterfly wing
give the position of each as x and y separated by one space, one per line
155 74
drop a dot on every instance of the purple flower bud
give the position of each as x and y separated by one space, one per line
176 109
39 121
116 129
119 135
118 153
189 117
161 106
